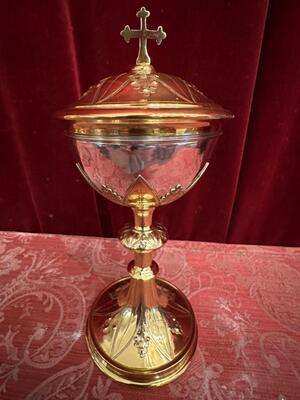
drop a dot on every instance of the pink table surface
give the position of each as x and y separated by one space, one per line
246 299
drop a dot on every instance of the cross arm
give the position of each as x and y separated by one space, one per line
159 35
128 33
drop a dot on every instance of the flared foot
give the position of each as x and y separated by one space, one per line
136 343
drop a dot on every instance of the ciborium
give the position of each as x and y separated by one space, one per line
142 140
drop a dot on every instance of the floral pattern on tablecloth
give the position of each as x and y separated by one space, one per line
246 299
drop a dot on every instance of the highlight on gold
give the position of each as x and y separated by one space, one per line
142 139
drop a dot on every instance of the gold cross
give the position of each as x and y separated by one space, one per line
143 34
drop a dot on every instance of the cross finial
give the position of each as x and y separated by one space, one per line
143 34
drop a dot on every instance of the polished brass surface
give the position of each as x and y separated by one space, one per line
143 240
143 273
145 341
90 131
142 330
142 139
141 97
143 237
143 34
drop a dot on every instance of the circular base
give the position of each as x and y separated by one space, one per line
137 344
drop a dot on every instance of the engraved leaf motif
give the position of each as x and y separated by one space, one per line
178 91
107 93
120 342
69 383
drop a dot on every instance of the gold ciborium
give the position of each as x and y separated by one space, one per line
142 140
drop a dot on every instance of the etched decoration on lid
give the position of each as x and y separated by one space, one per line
143 95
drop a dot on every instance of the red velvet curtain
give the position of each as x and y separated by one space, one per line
243 54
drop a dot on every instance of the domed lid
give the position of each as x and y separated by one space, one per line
143 96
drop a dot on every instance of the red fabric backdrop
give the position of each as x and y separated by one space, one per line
243 54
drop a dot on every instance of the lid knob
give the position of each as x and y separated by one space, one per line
143 34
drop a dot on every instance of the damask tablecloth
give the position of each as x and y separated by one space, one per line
246 299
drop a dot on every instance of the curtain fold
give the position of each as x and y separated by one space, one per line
245 55
268 197
248 117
